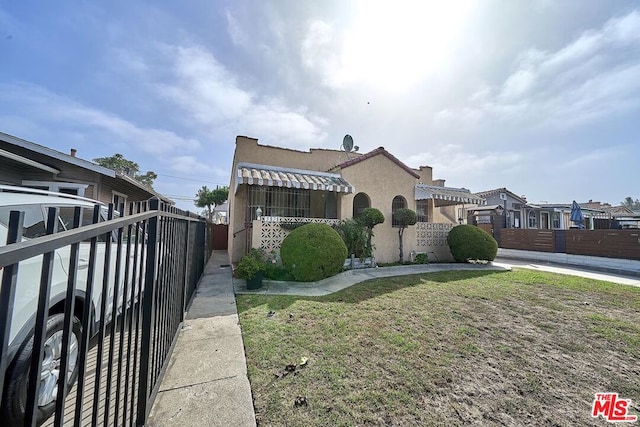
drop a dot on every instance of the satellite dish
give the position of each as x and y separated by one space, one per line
347 143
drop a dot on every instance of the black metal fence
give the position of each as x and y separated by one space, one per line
126 283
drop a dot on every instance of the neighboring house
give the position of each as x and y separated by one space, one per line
630 219
24 163
556 216
271 185
621 216
221 214
505 209
508 210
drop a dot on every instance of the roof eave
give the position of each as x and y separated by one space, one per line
28 145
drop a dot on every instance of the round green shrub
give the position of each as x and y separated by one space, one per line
313 252
471 242
370 217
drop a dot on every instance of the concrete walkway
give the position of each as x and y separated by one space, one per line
624 279
206 382
352 277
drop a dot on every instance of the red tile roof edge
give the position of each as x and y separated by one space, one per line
370 154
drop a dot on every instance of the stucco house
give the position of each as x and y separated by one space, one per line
27 164
271 185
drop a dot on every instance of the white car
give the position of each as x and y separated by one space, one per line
35 204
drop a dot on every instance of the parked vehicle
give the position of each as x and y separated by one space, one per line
35 205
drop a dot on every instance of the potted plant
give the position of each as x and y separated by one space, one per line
251 269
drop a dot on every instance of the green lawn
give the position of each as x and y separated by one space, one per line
448 348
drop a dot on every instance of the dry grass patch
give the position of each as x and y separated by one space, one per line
447 348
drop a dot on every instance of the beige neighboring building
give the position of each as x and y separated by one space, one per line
271 186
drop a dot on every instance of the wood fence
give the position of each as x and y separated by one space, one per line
624 244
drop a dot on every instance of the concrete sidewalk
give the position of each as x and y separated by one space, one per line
206 382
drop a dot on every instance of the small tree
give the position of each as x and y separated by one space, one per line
369 218
404 217
634 205
120 164
211 198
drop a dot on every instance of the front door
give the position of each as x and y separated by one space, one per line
544 220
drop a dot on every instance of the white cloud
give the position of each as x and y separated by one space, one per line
192 165
459 165
203 88
237 34
34 101
589 78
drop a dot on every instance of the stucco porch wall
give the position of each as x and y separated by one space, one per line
426 237
268 233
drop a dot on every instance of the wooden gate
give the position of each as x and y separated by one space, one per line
219 236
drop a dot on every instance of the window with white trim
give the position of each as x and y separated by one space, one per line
533 220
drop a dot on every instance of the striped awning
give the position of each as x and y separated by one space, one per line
292 178
447 196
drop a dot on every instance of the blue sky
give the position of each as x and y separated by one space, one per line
541 97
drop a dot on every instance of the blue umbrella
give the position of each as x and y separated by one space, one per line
576 215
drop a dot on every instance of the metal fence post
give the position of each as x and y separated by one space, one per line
39 336
185 275
7 292
147 315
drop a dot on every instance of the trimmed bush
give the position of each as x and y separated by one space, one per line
354 236
313 252
252 263
471 242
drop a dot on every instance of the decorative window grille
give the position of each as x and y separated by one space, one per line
279 202
360 203
399 202
422 209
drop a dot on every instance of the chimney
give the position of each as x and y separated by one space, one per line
73 152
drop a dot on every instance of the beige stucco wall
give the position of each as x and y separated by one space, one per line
248 150
382 179
379 177
426 174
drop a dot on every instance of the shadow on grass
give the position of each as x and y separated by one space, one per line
368 289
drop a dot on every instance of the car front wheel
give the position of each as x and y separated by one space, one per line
17 377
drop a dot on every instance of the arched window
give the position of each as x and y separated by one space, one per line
399 202
533 221
360 203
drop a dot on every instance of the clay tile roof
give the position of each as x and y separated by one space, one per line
377 151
